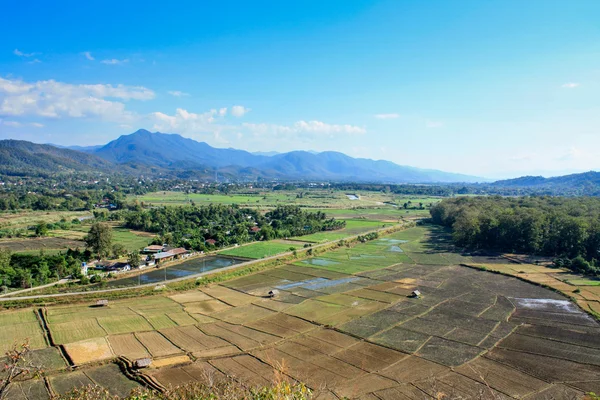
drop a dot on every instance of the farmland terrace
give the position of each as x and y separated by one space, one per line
344 323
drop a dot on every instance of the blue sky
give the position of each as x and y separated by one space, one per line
490 88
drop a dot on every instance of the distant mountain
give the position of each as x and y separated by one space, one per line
265 153
585 180
19 155
85 149
170 150
173 151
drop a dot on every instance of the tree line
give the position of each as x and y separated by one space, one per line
192 226
22 270
566 228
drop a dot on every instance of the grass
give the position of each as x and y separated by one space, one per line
259 249
382 213
314 198
18 326
17 334
583 282
24 219
353 227
60 240
129 239
124 324
76 330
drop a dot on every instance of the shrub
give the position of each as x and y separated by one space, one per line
226 390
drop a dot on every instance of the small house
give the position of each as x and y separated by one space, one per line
153 249
211 242
112 266
254 229
163 257
179 252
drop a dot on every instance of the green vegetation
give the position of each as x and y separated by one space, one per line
568 228
353 227
19 270
259 249
99 239
195 227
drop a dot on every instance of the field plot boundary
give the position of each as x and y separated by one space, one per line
574 298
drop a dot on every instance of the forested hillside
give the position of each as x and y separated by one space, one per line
19 157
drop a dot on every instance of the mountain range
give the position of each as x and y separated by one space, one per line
581 180
171 155
172 152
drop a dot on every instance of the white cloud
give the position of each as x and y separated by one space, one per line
433 124
387 116
178 93
16 124
88 55
19 53
222 111
304 128
184 121
239 111
114 61
570 85
34 61
57 99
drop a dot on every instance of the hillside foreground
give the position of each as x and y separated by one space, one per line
344 323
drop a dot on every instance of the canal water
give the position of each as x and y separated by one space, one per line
186 268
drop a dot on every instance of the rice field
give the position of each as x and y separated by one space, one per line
313 198
260 249
346 321
353 227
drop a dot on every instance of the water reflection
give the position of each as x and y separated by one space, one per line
186 268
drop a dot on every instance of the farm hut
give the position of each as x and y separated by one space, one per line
142 363
273 293
415 294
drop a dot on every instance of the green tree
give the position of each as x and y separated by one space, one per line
41 229
134 260
99 239
118 250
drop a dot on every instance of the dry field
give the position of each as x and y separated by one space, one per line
345 324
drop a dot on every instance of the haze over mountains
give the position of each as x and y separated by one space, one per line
171 155
174 152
